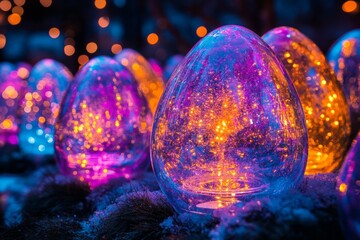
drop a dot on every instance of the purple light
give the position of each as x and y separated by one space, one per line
348 191
104 125
11 89
229 125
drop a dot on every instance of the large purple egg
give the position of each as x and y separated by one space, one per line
104 125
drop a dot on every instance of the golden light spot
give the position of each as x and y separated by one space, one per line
46 3
99 130
105 170
42 119
54 32
100 4
201 31
152 38
91 47
19 2
83 59
7 124
349 6
116 48
287 54
69 50
5 5
23 73
14 19
342 187
336 123
2 41
104 21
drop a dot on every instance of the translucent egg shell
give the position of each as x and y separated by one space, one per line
11 88
171 64
344 57
348 189
47 83
149 83
325 107
103 129
229 125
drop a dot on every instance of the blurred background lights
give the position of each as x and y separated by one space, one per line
54 32
115 48
19 2
152 38
5 5
23 73
69 50
91 47
100 4
2 41
14 19
82 59
201 31
18 10
46 3
104 21
350 6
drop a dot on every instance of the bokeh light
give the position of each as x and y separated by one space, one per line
46 3
5 5
18 10
2 41
201 31
350 6
104 21
152 38
14 19
54 32
69 50
19 2
100 4
91 47
83 59
116 48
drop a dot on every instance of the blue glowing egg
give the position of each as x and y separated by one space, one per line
47 83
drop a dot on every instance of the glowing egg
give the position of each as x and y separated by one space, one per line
103 129
149 83
47 83
348 189
325 107
344 57
11 87
171 64
229 125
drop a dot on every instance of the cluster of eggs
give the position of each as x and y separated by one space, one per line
240 116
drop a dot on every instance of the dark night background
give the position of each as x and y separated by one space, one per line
175 23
